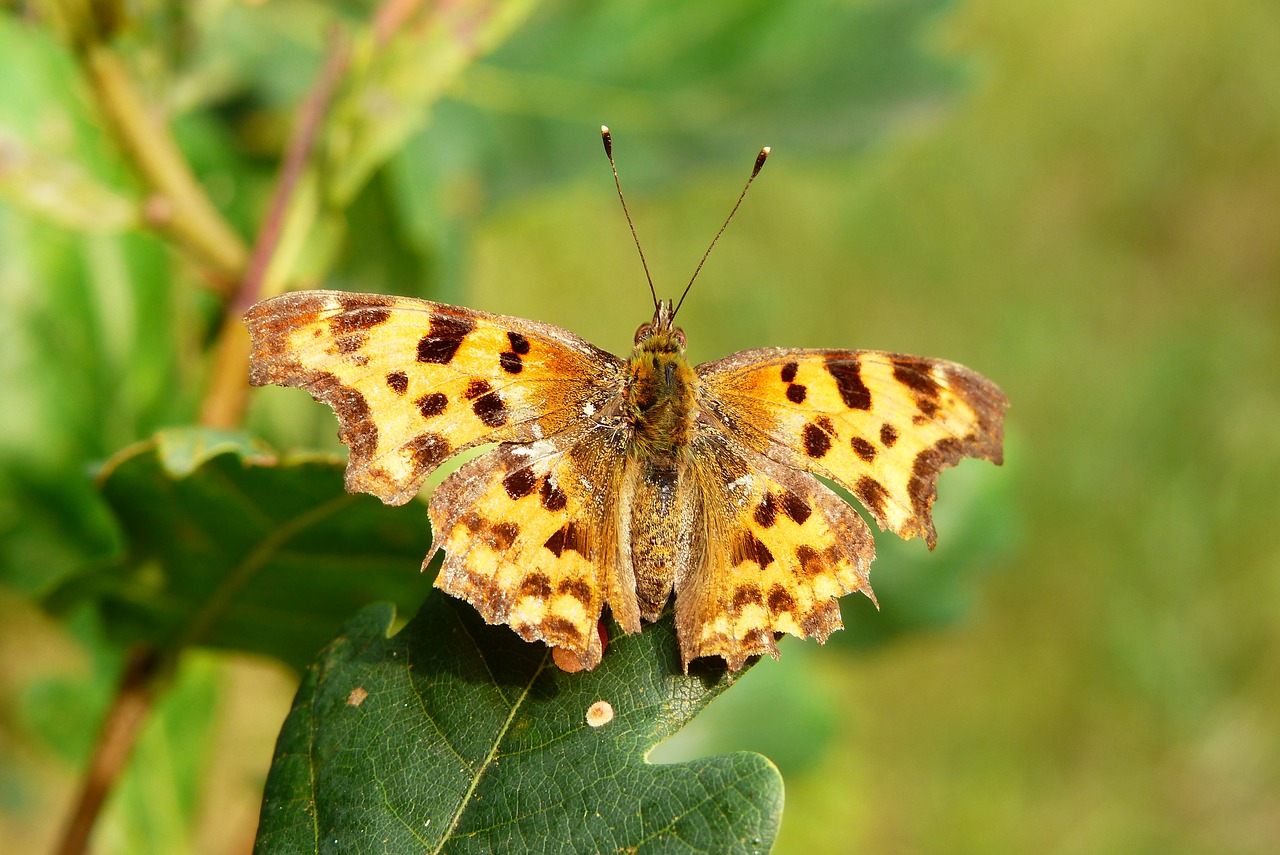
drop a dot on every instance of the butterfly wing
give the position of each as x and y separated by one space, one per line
883 425
530 538
414 382
780 549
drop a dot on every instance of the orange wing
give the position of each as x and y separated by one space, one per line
883 425
414 382
530 538
780 549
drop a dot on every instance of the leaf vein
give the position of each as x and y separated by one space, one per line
497 740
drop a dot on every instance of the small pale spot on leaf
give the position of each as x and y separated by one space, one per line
599 714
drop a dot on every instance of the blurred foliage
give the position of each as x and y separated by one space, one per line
1077 200
229 547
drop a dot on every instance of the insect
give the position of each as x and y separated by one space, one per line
620 482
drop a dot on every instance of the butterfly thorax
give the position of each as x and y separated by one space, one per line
659 398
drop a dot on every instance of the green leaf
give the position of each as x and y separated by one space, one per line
227 547
457 736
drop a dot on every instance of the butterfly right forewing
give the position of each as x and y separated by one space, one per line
883 425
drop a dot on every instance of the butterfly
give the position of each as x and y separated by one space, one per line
622 482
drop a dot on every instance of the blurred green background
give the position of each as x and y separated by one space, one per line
1078 200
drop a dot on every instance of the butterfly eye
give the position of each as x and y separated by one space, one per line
680 337
643 332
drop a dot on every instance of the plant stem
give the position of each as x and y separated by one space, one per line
119 733
390 16
227 394
178 206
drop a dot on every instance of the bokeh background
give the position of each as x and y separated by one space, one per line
1080 200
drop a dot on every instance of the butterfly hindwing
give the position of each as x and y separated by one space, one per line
780 549
883 425
413 382
528 539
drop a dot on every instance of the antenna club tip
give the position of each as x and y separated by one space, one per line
607 139
604 130
760 159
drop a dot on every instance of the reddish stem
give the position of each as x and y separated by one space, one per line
225 400
115 743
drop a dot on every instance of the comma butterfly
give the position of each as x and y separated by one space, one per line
620 481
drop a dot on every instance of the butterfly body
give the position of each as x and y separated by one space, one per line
659 395
620 482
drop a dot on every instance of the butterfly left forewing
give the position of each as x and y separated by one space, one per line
780 549
883 425
414 382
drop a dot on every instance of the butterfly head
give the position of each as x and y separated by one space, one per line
659 334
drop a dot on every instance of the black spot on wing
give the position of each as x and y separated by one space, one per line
511 362
811 562
553 498
863 448
576 588
795 507
432 405
536 585
751 548
914 374
502 535
567 536
848 376
520 483
780 600
357 320
747 595
766 511
486 403
441 344
816 441
519 344
562 631
429 450
872 494
398 382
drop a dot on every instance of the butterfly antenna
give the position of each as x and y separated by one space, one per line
760 159
608 151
